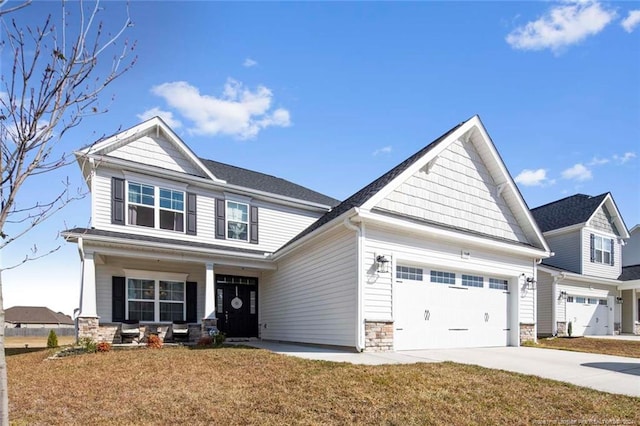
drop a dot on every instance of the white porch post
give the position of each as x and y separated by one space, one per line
88 307
209 293
634 309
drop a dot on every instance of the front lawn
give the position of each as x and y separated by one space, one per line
252 386
597 346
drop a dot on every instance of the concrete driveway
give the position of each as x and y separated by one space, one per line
606 373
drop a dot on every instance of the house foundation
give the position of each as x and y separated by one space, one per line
88 328
562 328
378 336
527 333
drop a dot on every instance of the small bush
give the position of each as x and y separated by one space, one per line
205 341
570 329
103 347
88 344
214 341
52 340
154 342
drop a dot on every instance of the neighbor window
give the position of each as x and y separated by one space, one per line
141 205
472 281
443 277
155 300
408 273
581 300
602 302
171 210
237 221
602 250
498 284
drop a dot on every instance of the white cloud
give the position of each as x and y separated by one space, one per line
625 157
238 112
578 172
562 26
631 21
384 150
248 63
167 116
595 161
533 177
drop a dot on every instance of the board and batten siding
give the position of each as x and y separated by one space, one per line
457 191
595 269
277 224
115 267
312 296
156 151
544 290
411 250
567 251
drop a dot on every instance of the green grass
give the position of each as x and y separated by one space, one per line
251 386
627 348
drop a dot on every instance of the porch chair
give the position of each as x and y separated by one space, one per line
130 329
180 330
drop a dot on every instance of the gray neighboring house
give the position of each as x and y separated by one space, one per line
36 317
630 288
581 284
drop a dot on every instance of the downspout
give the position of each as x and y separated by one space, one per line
554 303
349 225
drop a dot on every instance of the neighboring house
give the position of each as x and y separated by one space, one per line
440 251
35 317
579 284
630 288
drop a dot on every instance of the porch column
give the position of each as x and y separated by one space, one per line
634 307
209 293
88 289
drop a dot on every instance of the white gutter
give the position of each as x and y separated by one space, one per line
582 278
359 241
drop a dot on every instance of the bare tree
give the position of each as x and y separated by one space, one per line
54 81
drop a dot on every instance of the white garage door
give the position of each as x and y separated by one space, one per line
443 309
589 315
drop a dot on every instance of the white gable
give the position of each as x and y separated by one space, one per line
456 190
156 151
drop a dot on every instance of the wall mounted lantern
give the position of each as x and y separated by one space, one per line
563 295
619 300
382 264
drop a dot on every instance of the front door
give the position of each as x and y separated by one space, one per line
237 305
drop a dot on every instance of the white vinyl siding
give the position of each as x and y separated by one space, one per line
277 223
312 297
595 269
156 151
581 292
456 191
631 250
566 247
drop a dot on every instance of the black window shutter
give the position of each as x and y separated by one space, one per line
117 201
117 299
253 225
220 218
191 214
593 248
612 252
192 301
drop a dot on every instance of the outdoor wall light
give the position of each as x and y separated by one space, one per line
563 295
619 300
382 264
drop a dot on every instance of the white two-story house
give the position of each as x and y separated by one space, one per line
579 284
630 286
440 251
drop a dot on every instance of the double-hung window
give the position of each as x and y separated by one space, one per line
237 221
141 205
155 300
171 210
602 249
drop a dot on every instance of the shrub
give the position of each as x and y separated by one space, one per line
103 347
88 344
205 341
213 341
154 342
52 340
570 329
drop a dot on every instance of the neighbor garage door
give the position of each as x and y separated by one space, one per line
589 315
442 309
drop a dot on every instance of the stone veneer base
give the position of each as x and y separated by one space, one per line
378 336
527 333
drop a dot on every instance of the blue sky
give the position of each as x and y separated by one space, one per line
332 95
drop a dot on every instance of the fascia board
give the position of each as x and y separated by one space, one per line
630 285
579 277
454 236
608 200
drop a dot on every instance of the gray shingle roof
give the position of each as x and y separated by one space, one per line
630 273
360 197
267 183
136 237
35 315
567 211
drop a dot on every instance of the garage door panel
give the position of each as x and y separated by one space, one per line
588 319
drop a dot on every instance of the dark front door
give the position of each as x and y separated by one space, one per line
237 306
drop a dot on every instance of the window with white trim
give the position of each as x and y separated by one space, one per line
472 281
149 205
498 284
408 273
443 277
581 300
602 249
155 300
237 221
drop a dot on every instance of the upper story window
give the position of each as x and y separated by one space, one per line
601 250
237 221
141 205
171 210
149 205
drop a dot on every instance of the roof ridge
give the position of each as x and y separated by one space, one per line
563 199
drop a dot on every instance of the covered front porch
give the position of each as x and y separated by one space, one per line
130 291
630 302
